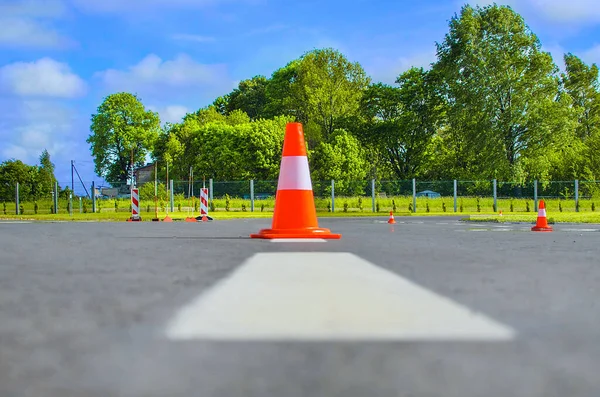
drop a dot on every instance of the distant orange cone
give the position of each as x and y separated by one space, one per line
295 215
391 220
542 223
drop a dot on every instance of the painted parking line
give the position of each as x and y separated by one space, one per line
326 296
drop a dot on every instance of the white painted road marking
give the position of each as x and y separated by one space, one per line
326 296
298 240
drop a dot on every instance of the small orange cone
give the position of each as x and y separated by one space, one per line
391 220
542 222
168 219
295 215
500 213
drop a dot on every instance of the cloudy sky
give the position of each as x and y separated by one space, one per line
60 58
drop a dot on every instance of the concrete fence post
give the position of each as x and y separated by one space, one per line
210 189
17 209
93 197
56 197
373 194
252 195
332 195
171 196
455 195
495 196
577 195
414 195
71 204
535 196
80 205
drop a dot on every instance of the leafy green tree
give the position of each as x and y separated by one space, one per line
13 171
582 84
122 127
343 158
402 121
250 97
45 177
502 93
147 191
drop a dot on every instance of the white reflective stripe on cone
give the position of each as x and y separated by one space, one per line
294 174
542 212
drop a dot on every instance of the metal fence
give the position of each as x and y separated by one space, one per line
371 195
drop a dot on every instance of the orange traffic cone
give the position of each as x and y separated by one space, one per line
295 215
391 220
542 222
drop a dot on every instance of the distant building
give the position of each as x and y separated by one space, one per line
144 174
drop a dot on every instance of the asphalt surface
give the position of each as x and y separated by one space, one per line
83 308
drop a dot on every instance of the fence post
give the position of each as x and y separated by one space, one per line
332 195
80 205
93 197
455 194
17 210
495 196
210 188
171 196
71 204
414 195
577 195
373 194
535 198
56 197
251 195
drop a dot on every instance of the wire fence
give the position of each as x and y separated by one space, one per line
484 196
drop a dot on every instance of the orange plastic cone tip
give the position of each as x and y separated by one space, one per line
295 215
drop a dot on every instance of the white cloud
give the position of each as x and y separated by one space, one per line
44 78
193 37
33 8
24 32
170 114
152 76
562 11
117 6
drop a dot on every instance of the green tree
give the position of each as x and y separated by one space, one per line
45 177
122 127
402 121
502 91
13 171
342 158
250 97
582 84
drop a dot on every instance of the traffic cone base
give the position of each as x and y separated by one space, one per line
189 219
295 215
542 222
168 219
391 221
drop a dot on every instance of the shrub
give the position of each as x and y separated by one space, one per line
478 205
512 207
377 206
329 206
461 205
427 207
212 206
345 206
21 209
262 207
116 206
410 207
443 206
593 206
394 205
4 207
559 206
85 208
527 206
35 207
360 206
179 206
243 207
148 208
227 202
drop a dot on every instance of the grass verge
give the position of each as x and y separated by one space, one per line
561 217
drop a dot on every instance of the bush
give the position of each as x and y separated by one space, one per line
427 207
329 206
262 207
35 207
593 206
478 205
527 206
179 206
21 209
116 206
410 207
360 206
559 206
243 207
443 206
345 207
227 202
148 208
461 205
85 207
377 206
4 207
212 206
394 205
512 207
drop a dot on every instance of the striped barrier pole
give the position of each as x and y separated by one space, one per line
204 204
135 206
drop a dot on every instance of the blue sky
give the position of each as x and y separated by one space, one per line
60 58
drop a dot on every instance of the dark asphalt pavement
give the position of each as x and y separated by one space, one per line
83 308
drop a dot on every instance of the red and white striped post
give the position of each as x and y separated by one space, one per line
135 205
204 204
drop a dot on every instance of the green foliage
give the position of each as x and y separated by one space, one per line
512 208
227 202
120 127
4 208
377 206
443 206
527 209
593 206
147 191
212 206
21 209
560 206
243 207
345 206
427 207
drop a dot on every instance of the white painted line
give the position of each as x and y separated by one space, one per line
298 240
326 296
14 222
580 230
